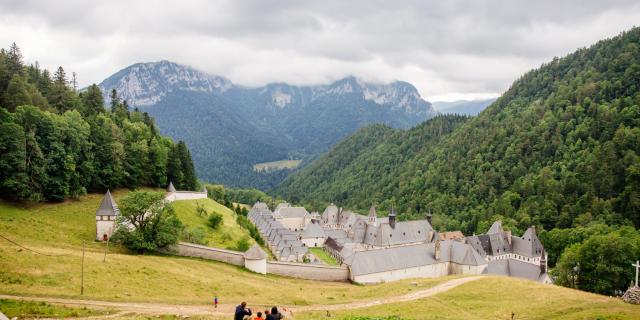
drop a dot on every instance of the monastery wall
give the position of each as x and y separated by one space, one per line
428 271
185 195
308 271
194 250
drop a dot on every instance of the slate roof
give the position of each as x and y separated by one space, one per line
313 230
255 253
496 227
330 214
460 253
292 212
335 233
404 232
171 188
529 245
108 206
388 259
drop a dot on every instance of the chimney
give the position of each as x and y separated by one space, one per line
429 217
437 250
392 217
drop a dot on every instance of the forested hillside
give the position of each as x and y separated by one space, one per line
559 150
57 143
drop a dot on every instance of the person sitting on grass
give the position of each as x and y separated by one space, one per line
275 315
258 316
241 311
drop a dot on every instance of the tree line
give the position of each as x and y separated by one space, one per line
57 142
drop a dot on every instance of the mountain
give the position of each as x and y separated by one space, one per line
229 128
466 107
559 149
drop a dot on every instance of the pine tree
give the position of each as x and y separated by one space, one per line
115 100
17 93
174 167
190 180
92 100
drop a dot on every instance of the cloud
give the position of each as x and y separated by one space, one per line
447 49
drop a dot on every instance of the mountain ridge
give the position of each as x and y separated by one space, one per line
230 128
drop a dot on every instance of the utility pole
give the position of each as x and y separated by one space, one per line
106 248
82 274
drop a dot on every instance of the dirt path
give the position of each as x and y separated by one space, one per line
227 309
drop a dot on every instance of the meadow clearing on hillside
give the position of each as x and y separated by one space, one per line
276 165
225 236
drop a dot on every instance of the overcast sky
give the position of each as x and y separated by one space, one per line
448 49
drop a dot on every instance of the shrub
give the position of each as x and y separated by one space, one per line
215 220
195 235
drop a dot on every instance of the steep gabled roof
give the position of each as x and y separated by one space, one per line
529 245
496 227
313 230
108 206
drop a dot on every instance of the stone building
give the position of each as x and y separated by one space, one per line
380 249
106 217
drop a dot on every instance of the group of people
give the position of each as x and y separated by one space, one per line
243 313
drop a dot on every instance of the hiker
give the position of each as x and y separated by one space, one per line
241 311
215 302
258 316
275 315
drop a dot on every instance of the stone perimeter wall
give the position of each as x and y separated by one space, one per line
194 250
288 269
308 271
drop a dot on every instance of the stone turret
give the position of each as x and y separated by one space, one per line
106 217
255 259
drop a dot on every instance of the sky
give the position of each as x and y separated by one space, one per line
449 50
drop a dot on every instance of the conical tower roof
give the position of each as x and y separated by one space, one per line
372 212
108 206
255 253
171 188
204 189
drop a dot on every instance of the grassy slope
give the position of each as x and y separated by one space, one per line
59 229
32 309
497 298
225 236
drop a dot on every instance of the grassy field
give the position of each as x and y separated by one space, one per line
497 298
32 309
324 256
276 165
226 236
